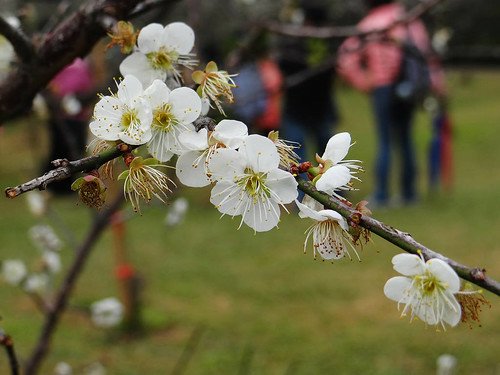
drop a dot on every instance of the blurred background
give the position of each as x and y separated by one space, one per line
213 299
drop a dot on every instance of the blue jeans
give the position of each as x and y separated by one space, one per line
393 120
297 131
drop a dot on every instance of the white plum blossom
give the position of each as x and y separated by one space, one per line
44 237
37 203
426 290
160 50
192 166
13 271
107 312
173 113
36 283
249 183
338 172
63 368
52 261
177 212
330 236
125 116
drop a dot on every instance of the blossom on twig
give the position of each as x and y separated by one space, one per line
144 181
192 166
160 50
426 290
214 84
126 115
249 183
173 113
330 233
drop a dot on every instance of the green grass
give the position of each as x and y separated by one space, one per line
258 298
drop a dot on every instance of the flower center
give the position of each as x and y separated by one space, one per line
254 184
163 118
129 117
163 59
428 283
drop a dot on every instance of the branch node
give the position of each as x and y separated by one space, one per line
11 192
478 274
60 163
123 147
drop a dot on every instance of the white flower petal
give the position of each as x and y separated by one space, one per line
312 203
333 179
178 37
260 152
327 247
445 274
139 66
150 38
190 169
231 133
159 146
261 216
396 288
335 216
193 140
226 164
186 104
337 147
129 89
157 94
228 198
453 314
283 186
107 119
305 211
408 264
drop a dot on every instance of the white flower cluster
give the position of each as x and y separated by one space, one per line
251 175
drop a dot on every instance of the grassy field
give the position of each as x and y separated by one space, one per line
260 305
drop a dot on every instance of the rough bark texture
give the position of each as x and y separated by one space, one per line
72 38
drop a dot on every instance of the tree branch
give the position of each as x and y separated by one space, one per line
402 240
53 316
346 31
20 42
65 169
74 37
7 342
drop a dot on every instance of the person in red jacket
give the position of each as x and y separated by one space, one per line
372 64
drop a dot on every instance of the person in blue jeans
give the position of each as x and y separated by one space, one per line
393 123
372 64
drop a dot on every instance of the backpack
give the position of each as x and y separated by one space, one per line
413 83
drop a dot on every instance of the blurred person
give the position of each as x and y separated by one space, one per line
68 98
309 108
259 82
372 64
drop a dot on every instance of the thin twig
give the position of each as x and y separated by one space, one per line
52 318
328 32
401 239
7 342
65 169
20 42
